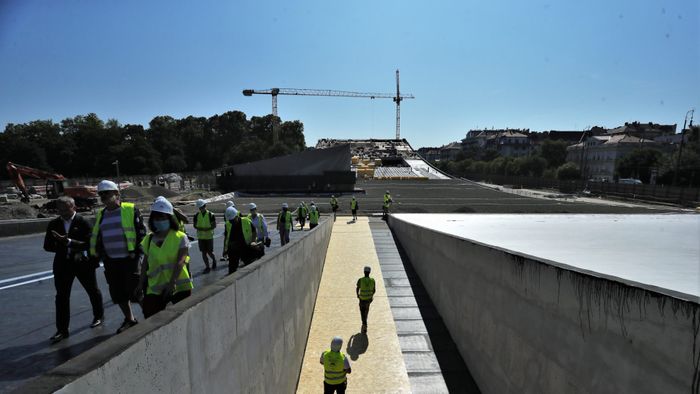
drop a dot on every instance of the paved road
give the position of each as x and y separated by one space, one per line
27 310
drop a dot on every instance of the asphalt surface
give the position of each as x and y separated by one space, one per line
27 287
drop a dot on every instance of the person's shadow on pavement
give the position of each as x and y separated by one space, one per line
357 345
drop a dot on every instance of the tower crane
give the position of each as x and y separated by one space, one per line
274 92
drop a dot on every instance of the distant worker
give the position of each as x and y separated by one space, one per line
117 232
205 223
284 224
241 242
260 225
386 205
313 215
336 366
353 207
227 227
230 213
166 253
334 206
365 293
300 213
68 236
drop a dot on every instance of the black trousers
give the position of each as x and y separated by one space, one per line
364 310
337 388
63 274
154 303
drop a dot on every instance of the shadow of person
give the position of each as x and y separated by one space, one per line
357 345
350 222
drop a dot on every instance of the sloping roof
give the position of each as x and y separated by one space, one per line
308 162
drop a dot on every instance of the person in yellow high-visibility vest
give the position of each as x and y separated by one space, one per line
386 205
353 207
166 252
284 224
117 232
334 206
336 366
205 223
365 293
241 242
313 215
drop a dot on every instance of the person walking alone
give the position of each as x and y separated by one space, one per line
205 223
115 237
353 207
365 293
68 236
336 366
166 253
334 206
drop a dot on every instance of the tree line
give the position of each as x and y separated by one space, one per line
87 146
549 161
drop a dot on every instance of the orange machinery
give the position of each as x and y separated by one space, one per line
56 186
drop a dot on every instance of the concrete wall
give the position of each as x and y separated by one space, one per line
9 228
245 333
529 326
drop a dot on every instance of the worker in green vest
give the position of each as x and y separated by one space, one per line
117 232
336 366
205 223
313 215
386 205
334 206
365 293
284 224
242 245
166 253
230 213
224 252
353 207
300 214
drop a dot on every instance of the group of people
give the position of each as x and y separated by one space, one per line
336 365
355 206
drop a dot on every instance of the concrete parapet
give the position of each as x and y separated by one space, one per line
245 333
9 228
529 325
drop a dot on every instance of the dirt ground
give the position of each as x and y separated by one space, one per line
17 210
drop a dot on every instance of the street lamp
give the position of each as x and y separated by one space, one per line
116 163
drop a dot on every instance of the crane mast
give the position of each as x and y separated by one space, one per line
274 92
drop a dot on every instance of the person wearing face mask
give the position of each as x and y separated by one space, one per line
68 236
117 232
166 253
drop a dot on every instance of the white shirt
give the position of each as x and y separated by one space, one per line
66 227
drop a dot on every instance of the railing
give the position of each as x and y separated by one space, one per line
687 196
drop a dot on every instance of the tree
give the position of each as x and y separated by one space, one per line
568 171
639 164
554 152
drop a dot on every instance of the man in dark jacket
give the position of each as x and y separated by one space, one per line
241 243
68 236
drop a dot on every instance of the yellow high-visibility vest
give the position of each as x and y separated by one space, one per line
162 262
202 220
127 215
313 216
334 367
366 288
287 219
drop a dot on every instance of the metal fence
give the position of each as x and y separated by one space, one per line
688 196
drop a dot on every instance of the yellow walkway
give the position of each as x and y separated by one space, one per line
376 359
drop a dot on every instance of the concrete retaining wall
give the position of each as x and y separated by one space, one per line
245 333
9 228
525 325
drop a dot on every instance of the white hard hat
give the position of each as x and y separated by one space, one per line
230 204
387 192
230 213
159 198
368 268
252 206
106 185
200 203
285 205
162 205
312 203
336 344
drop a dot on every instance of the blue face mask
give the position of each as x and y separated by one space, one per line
161 225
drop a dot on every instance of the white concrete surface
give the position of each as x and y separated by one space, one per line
528 325
660 250
422 168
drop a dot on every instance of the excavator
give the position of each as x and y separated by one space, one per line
56 186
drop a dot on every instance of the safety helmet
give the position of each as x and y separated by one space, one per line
252 206
230 213
387 192
368 268
336 344
200 203
106 185
312 203
162 205
230 204
285 205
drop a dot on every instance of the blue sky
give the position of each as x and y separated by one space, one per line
539 65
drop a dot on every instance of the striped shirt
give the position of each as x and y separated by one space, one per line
113 238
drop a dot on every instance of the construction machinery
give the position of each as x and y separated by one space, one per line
56 186
274 92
